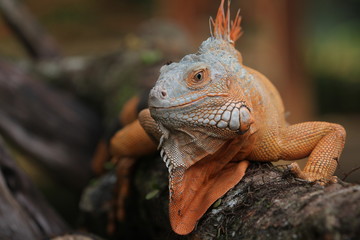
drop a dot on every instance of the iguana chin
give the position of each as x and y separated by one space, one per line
211 115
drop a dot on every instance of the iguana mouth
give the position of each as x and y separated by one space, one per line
181 105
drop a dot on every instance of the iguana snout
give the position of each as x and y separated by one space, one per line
158 97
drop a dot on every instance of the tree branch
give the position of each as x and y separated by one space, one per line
269 203
24 214
51 126
266 204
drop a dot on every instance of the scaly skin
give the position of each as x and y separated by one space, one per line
211 115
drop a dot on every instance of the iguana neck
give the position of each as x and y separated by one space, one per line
183 147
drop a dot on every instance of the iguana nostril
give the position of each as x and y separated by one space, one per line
163 93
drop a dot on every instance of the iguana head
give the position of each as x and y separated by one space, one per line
199 105
201 98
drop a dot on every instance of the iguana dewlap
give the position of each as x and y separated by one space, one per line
211 115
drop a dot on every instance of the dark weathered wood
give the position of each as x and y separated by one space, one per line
38 44
269 204
24 214
76 236
266 204
50 125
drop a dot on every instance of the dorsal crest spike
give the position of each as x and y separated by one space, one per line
223 27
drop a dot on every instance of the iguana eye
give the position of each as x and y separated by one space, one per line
199 76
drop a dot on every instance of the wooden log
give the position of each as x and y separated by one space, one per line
270 204
49 125
24 213
266 204
38 44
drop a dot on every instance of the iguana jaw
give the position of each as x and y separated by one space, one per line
172 104
225 120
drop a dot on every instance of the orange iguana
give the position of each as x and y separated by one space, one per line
210 115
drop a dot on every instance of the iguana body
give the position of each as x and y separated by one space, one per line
210 115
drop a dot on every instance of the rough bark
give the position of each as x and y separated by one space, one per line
49 125
76 236
272 204
24 214
266 204
38 44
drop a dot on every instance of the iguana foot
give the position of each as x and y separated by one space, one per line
311 177
123 172
117 212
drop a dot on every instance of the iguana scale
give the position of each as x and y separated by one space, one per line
210 115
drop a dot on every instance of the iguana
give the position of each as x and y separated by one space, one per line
210 115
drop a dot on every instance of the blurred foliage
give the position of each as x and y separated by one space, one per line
332 51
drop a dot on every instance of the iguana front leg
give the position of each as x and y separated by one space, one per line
321 141
128 144
132 141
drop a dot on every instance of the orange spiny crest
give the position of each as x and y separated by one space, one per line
223 27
